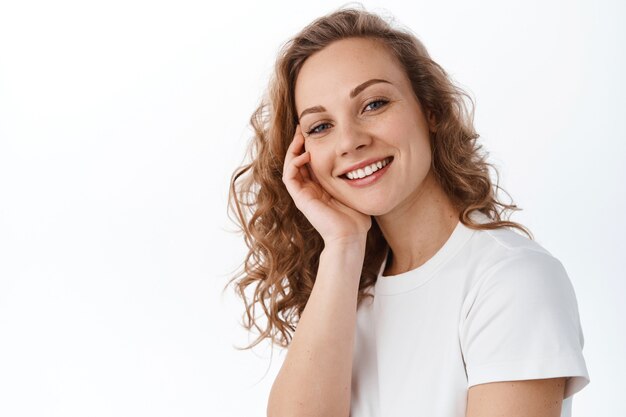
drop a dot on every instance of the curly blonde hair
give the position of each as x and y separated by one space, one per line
284 248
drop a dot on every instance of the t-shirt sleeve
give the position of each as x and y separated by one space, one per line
521 322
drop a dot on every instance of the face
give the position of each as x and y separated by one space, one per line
363 126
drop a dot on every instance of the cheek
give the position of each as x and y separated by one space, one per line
320 170
319 158
421 152
321 165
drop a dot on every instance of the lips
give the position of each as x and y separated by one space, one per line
366 168
366 181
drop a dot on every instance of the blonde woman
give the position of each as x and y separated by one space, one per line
379 253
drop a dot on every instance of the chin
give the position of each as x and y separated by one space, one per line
371 209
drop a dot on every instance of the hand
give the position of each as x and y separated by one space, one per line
336 222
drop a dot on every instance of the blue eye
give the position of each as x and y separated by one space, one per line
317 129
377 104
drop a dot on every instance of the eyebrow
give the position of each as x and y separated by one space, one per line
355 92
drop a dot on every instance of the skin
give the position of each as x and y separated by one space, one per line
413 212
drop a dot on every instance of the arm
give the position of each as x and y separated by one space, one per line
522 325
536 398
315 379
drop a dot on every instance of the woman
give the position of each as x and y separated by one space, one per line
373 225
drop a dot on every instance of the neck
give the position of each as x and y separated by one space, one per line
419 227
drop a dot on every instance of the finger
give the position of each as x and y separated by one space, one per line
293 170
305 170
294 149
297 144
304 173
311 174
299 163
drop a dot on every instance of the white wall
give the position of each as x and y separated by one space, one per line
121 122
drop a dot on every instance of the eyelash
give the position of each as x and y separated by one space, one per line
380 100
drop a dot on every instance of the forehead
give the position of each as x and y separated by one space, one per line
335 70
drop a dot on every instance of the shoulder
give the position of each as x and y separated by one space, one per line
520 284
497 248
509 269
505 241
492 246
504 252
520 320
514 258
514 266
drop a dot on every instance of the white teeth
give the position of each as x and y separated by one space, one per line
368 170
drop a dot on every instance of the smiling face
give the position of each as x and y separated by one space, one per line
357 109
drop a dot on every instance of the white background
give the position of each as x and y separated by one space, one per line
121 122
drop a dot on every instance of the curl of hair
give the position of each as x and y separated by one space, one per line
284 248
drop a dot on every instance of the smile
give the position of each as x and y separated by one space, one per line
368 170
371 173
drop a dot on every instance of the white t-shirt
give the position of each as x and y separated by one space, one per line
490 305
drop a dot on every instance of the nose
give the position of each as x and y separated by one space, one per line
352 137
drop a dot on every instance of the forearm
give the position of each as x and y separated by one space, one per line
315 378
